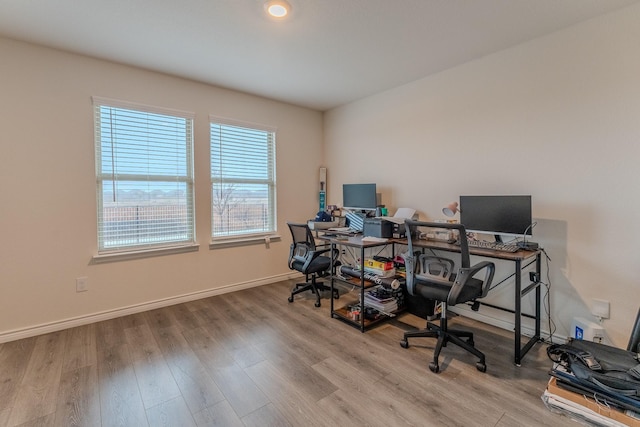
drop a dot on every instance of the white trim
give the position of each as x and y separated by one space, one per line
221 243
527 331
143 253
59 325
240 123
108 102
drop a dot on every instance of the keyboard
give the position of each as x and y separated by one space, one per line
496 246
343 231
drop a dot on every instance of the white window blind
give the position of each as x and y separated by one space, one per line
144 169
243 183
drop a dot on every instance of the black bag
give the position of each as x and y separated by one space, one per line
598 370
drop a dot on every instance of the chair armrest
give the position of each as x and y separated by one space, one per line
410 268
335 252
463 276
311 255
320 251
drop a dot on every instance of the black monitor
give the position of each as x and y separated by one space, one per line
498 215
359 196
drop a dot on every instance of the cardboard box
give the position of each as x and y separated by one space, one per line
589 403
380 265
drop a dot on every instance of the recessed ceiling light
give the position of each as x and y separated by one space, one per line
277 8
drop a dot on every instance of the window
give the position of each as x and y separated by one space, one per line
243 183
144 170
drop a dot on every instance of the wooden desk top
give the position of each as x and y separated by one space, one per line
357 242
490 253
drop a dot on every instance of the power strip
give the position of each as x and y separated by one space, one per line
528 246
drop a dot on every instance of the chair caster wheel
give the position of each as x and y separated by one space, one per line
404 344
480 366
434 367
336 296
317 304
290 299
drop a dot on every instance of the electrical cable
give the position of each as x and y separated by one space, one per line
524 234
547 299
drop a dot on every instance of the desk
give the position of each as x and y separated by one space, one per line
517 258
353 242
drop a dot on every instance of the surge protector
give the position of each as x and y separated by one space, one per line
582 329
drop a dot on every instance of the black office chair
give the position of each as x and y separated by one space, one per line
434 278
309 260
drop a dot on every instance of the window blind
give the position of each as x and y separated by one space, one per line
144 170
243 183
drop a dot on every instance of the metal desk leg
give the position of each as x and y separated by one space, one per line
332 271
519 351
362 308
538 296
518 314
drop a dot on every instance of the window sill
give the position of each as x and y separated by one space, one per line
244 241
146 253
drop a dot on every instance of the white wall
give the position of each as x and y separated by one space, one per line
557 118
47 190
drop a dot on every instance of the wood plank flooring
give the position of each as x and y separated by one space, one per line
250 358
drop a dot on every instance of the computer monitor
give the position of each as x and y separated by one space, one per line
497 215
359 196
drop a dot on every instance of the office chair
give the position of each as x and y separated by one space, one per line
435 278
310 261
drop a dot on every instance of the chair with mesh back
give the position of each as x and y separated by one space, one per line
436 278
309 260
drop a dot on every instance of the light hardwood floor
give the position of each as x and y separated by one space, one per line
250 358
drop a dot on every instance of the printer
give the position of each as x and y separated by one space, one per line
377 227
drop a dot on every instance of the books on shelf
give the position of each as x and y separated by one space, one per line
381 273
380 265
380 300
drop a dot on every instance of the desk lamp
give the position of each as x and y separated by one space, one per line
451 209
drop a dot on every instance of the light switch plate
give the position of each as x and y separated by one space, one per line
600 308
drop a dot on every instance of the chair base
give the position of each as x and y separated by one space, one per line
444 336
314 287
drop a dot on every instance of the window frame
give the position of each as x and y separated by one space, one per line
245 238
128 251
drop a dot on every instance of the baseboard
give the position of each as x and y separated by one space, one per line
506 324
46 328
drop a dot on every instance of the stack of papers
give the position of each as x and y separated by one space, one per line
377 299
374 239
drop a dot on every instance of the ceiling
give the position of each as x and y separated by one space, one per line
327 53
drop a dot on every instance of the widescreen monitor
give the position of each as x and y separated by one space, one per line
359 196
497 215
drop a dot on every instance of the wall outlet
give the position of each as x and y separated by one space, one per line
582 329
82 284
